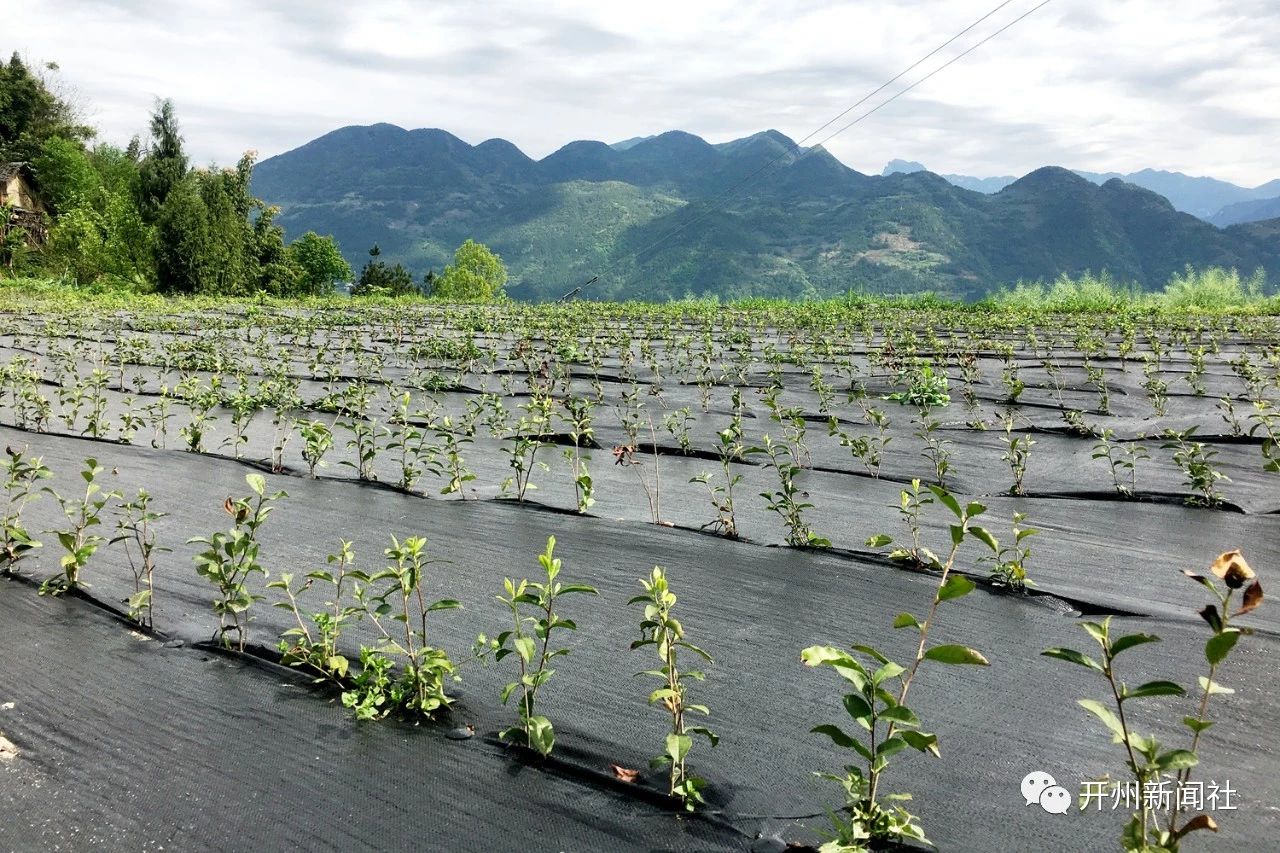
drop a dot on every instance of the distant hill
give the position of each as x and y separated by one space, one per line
1247 211
1201 197
654 219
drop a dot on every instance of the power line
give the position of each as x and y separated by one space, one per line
710 205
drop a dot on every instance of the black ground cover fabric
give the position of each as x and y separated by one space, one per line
127 742
753 607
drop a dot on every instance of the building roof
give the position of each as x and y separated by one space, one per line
8 170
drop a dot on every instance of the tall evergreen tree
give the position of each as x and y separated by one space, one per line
165 165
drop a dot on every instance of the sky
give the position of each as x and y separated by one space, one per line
1104 86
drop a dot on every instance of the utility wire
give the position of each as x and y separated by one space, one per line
709 206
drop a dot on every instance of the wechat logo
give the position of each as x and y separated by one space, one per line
1040 787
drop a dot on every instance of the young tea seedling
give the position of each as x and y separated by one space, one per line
529 640
21 475
231 558
78 541
665 634
881 711
1146 760
134 520
420 688
319 653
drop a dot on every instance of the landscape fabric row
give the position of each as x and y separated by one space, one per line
126 738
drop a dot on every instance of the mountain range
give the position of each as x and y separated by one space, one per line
1210 199
673 215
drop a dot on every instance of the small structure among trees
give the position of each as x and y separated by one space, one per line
21 203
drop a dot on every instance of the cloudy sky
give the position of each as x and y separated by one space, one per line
1190 85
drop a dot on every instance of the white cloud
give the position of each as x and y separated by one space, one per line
1173 84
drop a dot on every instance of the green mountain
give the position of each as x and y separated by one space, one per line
1210 199
1247 211
673 215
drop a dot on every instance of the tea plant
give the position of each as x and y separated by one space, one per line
78 540
1197 464
1017 455
936 449
911 504
319 653
317 440
1266 422
788 500
529 640
134 529
231 558
1008 563
867 449
1122 460
578 418
666 635
927 389
1146 760
21 475
865 821
420 689
454 466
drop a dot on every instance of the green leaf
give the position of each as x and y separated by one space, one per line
858 708
837 735
257 483
678 746
947 500
921 741
1073 656
955 587
905 620
1110 720
984 536
542 736
1195 724
889 670
879 540
1177 759
524 647
445 604
1220 645
955 654
900 714
1128 641
1154 688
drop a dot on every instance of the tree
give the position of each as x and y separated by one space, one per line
320 261
378 279
182 240
31 113
475 274
165 165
